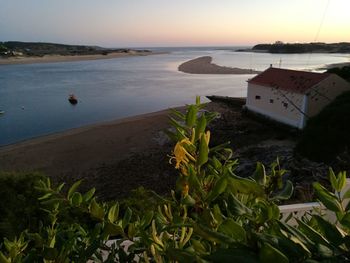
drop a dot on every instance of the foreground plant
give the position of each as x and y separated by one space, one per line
213 215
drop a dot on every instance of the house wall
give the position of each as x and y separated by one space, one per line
324 92
284 107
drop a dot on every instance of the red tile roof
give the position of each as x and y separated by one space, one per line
290 80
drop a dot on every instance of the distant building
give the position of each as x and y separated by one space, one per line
290 96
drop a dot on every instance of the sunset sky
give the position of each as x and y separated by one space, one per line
146 23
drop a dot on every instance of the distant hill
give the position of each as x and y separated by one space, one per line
280 47
16 48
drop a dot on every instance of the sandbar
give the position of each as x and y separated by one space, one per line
204 65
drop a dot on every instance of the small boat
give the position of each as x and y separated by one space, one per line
2 112
72 99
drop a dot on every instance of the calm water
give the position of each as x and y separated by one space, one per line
35 96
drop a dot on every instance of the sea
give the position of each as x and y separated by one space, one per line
35 96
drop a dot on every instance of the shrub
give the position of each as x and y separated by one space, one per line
327 134
343 72
212 215
19 204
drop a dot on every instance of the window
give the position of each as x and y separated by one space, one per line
257 97
271 100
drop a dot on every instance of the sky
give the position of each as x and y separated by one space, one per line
156 23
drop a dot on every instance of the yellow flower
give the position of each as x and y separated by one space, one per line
181 155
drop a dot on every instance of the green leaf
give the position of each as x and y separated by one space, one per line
203 151
198 246
73 188
329 200
178 114
330 231
176 124
131 231
217 214
219 188
113 229
300 238
268 254
212 235
3 259
60 187
127 217
288 247
285 193
312 233
341 181
191 115
77 199
147 219
47 195
245 186
233 229
193 179
273 211
236 207
216 163
96 210
332 179
88 195
200 127
260 174
345 221
113 213
188 200
347 194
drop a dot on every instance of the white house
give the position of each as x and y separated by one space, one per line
291 96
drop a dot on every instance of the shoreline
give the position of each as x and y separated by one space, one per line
82 149
336 65
78 130
115 157
69 58
204 65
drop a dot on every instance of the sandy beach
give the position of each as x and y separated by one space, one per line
115 157
83 148
59 58
204 65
